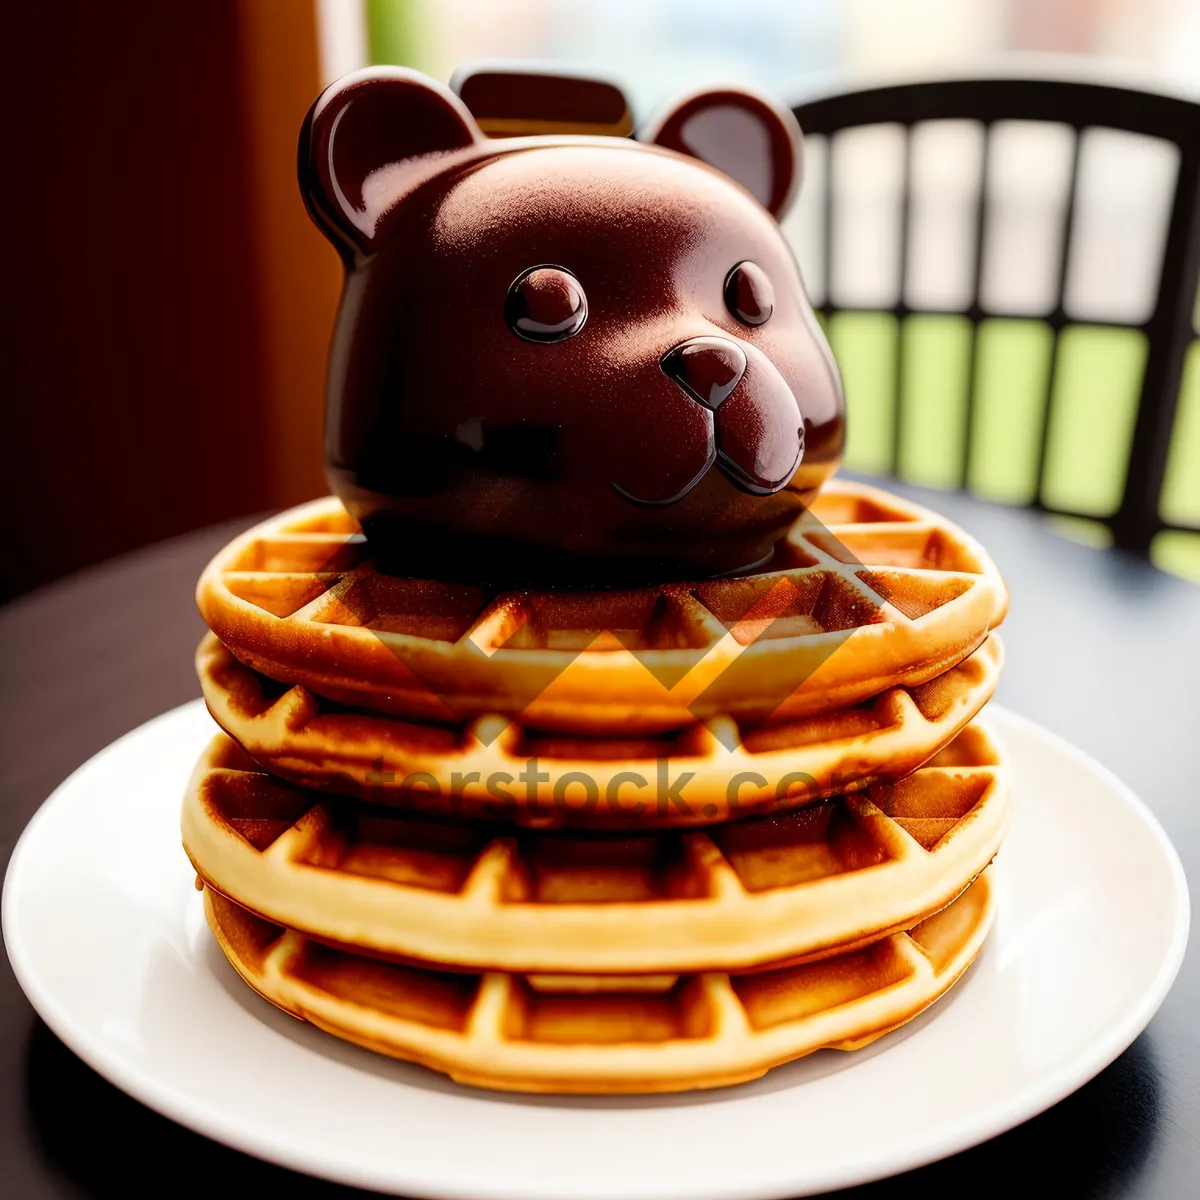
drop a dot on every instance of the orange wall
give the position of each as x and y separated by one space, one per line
167 303
298 274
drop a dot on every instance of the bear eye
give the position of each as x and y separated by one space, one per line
749 294
545 304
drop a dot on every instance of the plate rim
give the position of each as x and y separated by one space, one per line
205 1119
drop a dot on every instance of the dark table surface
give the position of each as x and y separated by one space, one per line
1102 649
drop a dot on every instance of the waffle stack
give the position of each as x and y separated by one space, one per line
625 841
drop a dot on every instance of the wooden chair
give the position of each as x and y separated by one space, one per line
1169 330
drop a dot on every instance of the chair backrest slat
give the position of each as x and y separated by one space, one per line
975 308
1057 317
901 292
1169 332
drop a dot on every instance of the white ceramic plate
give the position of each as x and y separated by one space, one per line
107 937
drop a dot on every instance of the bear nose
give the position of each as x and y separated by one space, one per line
707 368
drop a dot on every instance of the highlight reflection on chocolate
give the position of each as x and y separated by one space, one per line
565 358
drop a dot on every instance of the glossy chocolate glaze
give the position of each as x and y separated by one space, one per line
566 359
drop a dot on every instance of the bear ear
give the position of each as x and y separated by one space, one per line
369 140
746 136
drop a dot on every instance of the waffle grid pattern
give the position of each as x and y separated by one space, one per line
295 734
734 896
546 1033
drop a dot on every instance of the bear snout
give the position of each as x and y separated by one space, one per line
759 430
707 368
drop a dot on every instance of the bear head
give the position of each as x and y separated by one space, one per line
567 358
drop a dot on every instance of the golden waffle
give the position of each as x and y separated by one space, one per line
476 894
602 782
867 592
597 1034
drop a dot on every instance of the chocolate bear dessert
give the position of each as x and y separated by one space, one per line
563 358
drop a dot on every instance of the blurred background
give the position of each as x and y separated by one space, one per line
168 304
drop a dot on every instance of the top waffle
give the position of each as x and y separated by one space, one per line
865 592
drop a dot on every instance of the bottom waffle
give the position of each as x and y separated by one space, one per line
605 1034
